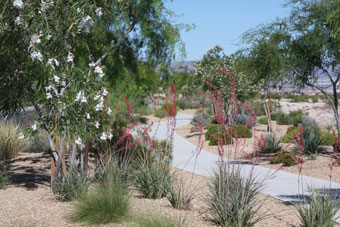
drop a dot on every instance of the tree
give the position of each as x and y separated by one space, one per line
314 52
55 55
207 72
263 60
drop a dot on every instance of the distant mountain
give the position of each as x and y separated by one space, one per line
182 66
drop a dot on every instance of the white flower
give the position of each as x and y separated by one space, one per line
21 136
48 88
98 70
88 116
103 136
50 61
97 124
18 21
35 39
78 10
34 127
99 12
99 106
78 97
109 111
105 92
92 64
46 5
36 55
97 97
70 57
110 136
83 99
48 95
56 79
56 62
78 141
18 4
48 37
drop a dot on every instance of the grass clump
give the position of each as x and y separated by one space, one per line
108 202
10 144
153 180
319 211
284 158
270 145
232 198
151 220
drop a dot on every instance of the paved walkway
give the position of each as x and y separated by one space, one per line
282 185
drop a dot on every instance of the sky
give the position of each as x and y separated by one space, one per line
221 22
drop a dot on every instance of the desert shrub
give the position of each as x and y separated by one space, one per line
311 143
296 117
327 138
107 202
153 180
258 108
10 144
38 144
308 122
246 119
285 158
178 196
262 121
283 119
288 137
199 117
232 198
212 129
315 99
271 145
152 220
275 115
69 186
276 96
319 210
225 139
241 131
165 109
300 98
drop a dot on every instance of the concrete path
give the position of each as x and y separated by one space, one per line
281 185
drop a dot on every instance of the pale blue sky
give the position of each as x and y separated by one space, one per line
222 21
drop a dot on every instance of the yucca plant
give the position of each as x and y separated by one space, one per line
232 198
319 211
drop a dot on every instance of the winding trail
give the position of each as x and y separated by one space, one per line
278 184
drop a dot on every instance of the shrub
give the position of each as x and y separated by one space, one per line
241 131
300 98
232 198
246 119
285 158
199 117
283 119
38 144
71 185
288 137
296 117
308 122
153 180
315 99
151 220
311 143
319 210
258 108
262 121
10 144
212 129
163 111
327 138
108 202
4 179
272 144
178 196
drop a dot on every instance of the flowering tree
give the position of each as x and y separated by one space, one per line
48 58
207 73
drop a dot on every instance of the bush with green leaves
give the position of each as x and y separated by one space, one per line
293 118
165 110
152 180
246 119
319 210
327 138
232 198
10 143
308 122
283 119
241 131
311 143
4 178
109 201
300 98
315 99
71 185
270 145
289 137
262 121
284 158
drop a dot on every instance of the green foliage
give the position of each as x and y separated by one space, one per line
178 195
262 121
288 137
107 202
232 198
311 143
300 98
283 157
71 185
153 180
152 220
258 108
293 118
327 138
271 145
241 131
38 144
199 117
315 99
212 129
165 110
246 119
10 144
319 210
4 178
